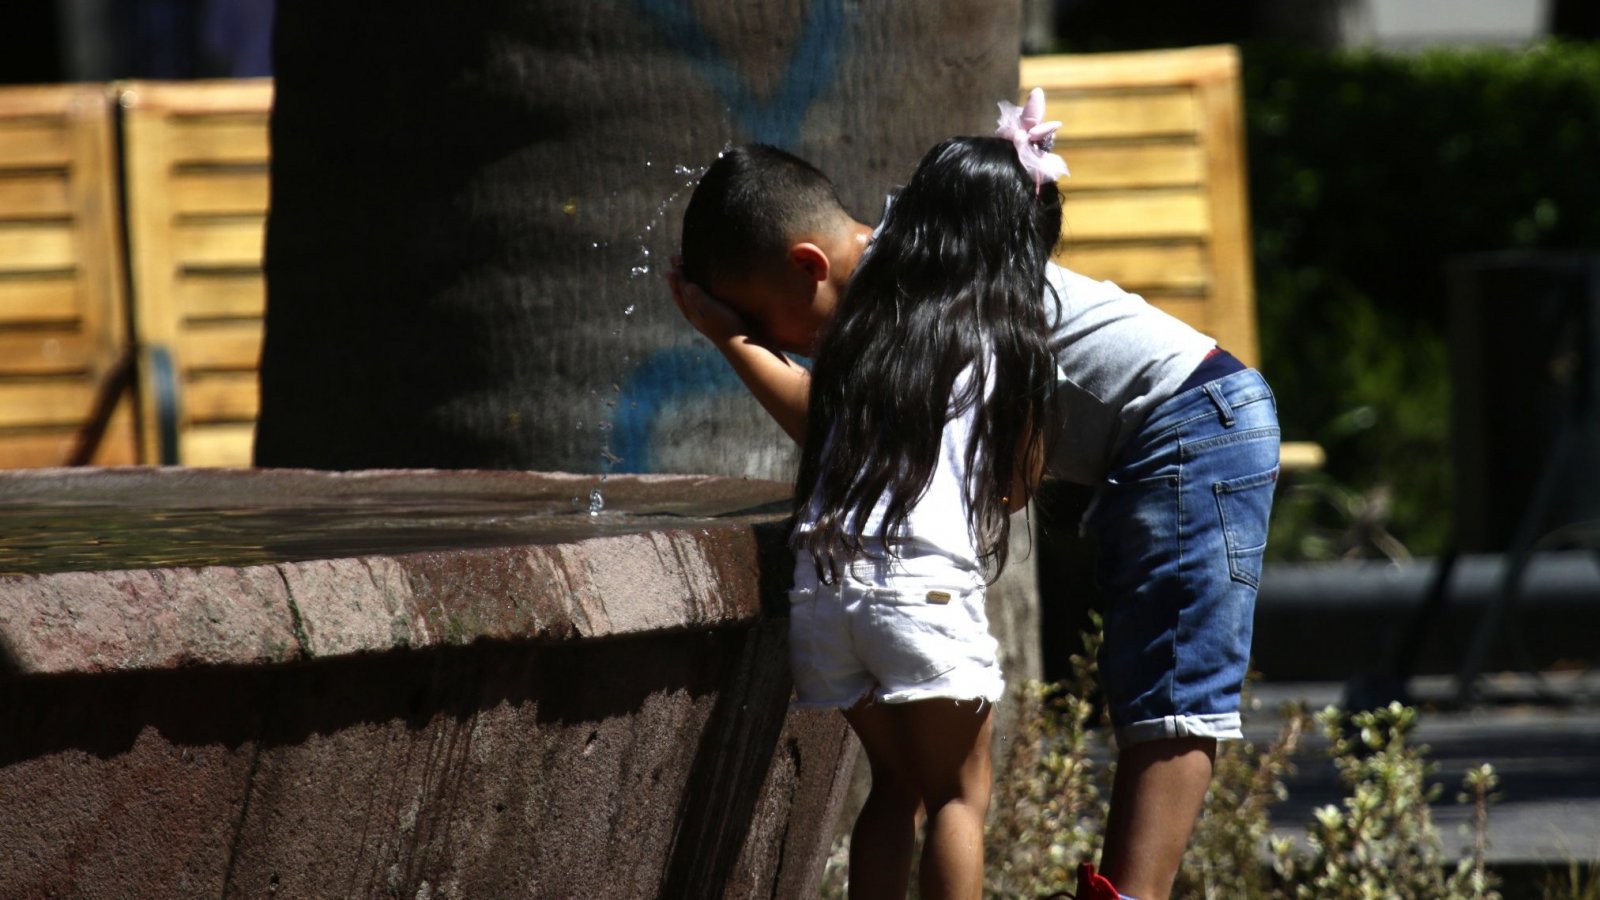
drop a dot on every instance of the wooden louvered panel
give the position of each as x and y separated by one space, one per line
198 181
1143 266
28 247
28 142
36 299
62 321
1156 199
1149 215
1123 114
217 445
232 346
34 195
223 397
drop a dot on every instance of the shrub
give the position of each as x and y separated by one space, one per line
1380 842
1050 796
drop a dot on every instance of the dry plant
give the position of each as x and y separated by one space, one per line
1379 843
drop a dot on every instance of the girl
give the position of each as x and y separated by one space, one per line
930 406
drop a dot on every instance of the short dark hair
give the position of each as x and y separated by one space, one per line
747 209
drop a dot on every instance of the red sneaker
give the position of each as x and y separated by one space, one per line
1094 886
1091 886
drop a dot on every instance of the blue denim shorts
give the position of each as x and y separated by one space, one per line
1180 525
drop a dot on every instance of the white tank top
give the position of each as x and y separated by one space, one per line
936 533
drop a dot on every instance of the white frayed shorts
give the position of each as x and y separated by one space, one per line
881 632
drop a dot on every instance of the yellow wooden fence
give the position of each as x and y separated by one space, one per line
63 326
195 170
1157 200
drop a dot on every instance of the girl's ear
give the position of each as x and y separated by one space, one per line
810 259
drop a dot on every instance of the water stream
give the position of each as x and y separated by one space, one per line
642 266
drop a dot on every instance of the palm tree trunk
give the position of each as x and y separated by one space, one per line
470 202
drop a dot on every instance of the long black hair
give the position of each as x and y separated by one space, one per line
954 279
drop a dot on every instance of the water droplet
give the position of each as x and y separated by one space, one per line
628 310
597 502
640 270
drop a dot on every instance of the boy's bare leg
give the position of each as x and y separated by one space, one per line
949 746
885 831
1159 789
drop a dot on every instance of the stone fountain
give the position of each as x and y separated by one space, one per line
402 683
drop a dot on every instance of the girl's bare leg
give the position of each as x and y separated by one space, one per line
885 830
948 747
932 754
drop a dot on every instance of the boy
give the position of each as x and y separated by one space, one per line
1179 439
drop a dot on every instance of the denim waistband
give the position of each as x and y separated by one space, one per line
1232 391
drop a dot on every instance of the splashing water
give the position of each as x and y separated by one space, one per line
691 176
642 265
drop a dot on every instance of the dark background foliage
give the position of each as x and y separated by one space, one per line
1368 173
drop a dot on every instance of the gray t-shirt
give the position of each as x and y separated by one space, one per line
1117 358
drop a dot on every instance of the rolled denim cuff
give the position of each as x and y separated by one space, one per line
1218 726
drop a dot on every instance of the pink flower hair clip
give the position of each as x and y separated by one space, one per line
1034 138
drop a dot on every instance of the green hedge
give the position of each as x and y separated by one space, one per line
1367 172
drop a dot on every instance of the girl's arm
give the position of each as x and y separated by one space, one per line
781 387
1027 472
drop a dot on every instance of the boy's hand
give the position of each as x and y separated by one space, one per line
709 316
782 387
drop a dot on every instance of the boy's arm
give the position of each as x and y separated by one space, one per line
781 387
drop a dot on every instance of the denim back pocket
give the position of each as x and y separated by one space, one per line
1245 505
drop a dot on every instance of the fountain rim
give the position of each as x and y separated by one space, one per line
707 572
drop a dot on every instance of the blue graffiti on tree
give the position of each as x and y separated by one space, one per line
666 380
671 377
667 376
776 121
